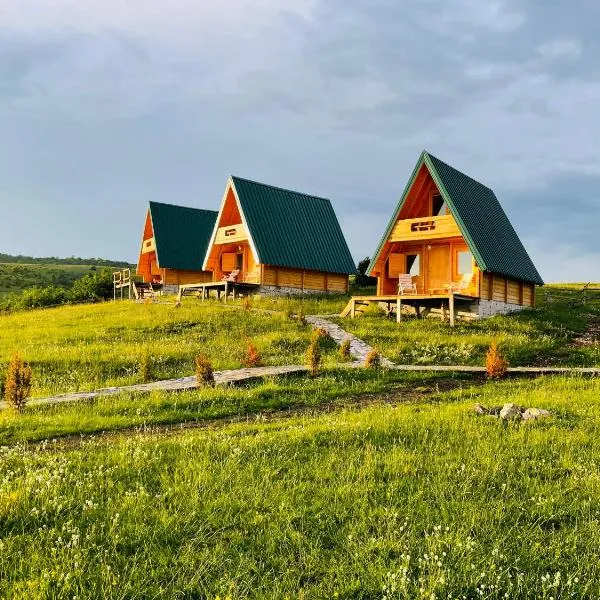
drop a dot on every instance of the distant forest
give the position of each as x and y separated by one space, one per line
53 260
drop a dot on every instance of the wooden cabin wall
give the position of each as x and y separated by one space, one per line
147 266
179 277
502 289
388 284
305 280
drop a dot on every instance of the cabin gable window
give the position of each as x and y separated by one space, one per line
438 206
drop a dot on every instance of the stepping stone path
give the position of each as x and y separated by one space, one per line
358 348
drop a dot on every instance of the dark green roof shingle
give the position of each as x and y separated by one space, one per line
482 220
181 234
290 229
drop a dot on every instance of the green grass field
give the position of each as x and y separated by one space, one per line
406 500
74 348
354 484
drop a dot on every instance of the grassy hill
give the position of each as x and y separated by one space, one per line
353 484
18 273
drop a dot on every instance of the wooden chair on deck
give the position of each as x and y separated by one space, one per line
232 277
462 286
406 284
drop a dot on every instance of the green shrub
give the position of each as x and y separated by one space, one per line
93 287
37 297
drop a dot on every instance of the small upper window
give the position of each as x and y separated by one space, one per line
438 206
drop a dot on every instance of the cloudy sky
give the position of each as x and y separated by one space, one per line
107 105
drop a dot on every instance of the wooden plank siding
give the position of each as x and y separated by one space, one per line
304 280
501 289
176 277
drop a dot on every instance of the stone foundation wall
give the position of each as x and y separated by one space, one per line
170 289
271 290
489 308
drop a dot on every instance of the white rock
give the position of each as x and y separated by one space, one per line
510 411
535 413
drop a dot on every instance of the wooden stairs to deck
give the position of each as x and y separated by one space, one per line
359 306
142 291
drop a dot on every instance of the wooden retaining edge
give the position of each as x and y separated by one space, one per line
477 369
174 385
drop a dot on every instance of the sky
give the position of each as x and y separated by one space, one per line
105 106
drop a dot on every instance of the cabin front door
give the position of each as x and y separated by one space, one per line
438 270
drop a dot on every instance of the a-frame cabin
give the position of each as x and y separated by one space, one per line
449 237
278 241
174 244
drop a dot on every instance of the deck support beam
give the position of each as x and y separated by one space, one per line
451 308
399 309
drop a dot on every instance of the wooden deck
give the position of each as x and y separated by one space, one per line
220 287
422 304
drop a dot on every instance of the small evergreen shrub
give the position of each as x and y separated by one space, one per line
313 357
344 350
318 333
373 359
301 316
252 357
204 371
17 386
496 365
145 367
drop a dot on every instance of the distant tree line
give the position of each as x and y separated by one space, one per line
54 260
94 286
362 279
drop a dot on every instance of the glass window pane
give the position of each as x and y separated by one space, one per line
413 264
465 262
439 206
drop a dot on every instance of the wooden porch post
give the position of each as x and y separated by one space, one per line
451 307
399 309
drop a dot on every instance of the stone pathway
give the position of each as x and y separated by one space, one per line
358 348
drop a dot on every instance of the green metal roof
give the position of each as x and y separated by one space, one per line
290 229
492 239
181 235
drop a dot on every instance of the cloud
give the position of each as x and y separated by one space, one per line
561 48
106 105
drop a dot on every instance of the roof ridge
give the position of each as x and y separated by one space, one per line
458 171
282 189
208 210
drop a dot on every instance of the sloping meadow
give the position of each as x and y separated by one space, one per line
408 501
75 348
